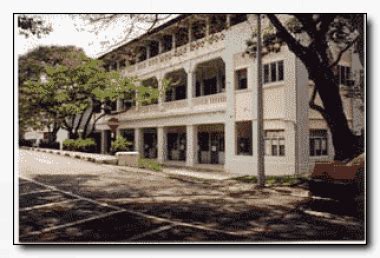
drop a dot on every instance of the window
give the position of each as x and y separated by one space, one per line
280 65
241 79
344 74
243 138
266 73
318 142
273 72
275 142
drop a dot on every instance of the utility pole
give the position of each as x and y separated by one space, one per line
260 109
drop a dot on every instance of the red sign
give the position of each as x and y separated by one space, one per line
113 123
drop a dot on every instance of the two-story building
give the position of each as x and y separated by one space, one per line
207 118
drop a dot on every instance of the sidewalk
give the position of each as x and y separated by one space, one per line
92 157
176 172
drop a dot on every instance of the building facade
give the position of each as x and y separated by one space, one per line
207 118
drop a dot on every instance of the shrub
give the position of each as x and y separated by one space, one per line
85 145
150 164
48 144
120 144
81 145
26 143
68 144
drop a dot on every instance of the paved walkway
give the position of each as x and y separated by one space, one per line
172 171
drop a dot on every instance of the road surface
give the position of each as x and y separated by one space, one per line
67 200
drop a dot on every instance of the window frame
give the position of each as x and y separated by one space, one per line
323 141
239 79
277 144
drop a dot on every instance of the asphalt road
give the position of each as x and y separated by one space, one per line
68 200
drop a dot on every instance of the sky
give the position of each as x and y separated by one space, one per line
74 30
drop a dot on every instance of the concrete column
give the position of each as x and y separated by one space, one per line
207 26
190 33
119 105
161 145
190 86
173 41
138 104
139 141
160 46
229 127
228 20
104 141
147 52
296 114
161 90
191 145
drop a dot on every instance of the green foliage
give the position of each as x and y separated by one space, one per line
120 144
149 164
81 145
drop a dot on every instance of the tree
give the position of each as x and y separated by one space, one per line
32 68
64 88
32 25
319 41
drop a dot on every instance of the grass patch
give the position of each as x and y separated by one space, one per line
150 164
272 180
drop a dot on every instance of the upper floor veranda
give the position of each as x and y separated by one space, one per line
183 38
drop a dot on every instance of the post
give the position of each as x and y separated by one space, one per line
191 145
161 145
260 109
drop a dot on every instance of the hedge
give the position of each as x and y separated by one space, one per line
81 145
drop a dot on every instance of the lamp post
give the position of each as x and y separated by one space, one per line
260 120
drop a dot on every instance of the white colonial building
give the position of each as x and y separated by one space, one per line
208 118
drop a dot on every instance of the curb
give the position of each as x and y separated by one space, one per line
75 155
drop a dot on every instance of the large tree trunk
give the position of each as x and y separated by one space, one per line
346 144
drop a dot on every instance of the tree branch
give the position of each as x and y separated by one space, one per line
343 51
292 43
314 106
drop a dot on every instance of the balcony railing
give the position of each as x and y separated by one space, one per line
176 52
210 99
175 104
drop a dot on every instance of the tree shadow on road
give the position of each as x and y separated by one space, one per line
216 218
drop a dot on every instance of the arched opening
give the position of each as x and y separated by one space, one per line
147 99
177 88
210 77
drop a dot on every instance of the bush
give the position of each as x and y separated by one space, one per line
120 144
26 143
68 144
150 164
48 144
81 145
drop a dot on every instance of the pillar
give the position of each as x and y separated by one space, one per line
173 41
119 105
161 145
191 145
161 96
147 52
229 127
190 87
104 141
228 20
296 114
160 46
139 141
207 26
190 32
